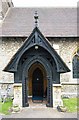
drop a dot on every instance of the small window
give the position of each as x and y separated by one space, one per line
75 64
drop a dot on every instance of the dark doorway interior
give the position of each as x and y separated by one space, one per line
37 85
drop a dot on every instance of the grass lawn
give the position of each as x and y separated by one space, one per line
72 104
4 107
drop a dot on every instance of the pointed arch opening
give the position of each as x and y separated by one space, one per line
75 66
37 83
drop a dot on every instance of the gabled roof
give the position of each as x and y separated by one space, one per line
36 38
53 22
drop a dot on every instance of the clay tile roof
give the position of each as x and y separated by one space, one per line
53 22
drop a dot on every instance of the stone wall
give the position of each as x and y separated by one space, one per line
6 91
17 94
67 47
9 46
70 90
57 95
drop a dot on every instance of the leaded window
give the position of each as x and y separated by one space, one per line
75 63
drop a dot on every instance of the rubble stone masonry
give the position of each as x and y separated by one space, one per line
66 48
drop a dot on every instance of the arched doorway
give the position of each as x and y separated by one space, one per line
37 83
37 61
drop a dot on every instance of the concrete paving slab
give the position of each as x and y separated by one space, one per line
41 113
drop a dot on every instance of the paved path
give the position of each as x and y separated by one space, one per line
40 111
